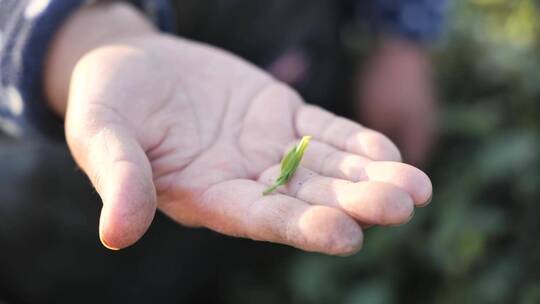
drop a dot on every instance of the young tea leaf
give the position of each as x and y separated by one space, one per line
289 164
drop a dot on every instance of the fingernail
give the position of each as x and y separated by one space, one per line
404 223
427 202
412 215
107 245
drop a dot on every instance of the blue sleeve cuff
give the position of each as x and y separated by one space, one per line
27 37
419 20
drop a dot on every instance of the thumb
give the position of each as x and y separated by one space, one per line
119 169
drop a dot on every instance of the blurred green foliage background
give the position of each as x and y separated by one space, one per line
478 241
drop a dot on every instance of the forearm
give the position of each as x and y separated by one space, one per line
409 51
89 28
396 95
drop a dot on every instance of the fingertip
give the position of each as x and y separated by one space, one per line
377 203
116 236
351 246
332 231
352 238
400 209
129 206
117 232
415 182
427 202
426 194
107 242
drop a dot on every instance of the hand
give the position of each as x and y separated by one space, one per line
162 122
395 96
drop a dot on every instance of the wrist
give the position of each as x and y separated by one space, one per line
91 27
396 44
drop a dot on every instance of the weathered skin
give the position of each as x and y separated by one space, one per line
161 122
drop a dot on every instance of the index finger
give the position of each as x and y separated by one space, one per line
344 134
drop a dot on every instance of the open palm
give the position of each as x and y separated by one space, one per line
159 122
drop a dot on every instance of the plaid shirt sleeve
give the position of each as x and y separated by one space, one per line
27 28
